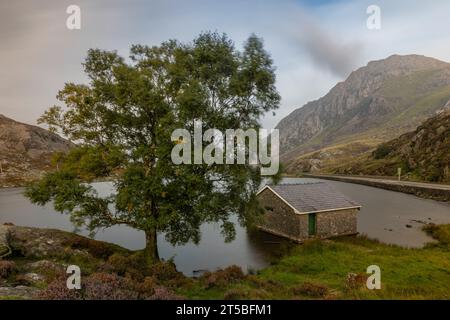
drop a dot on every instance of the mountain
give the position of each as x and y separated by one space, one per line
422 154
374 104
26 151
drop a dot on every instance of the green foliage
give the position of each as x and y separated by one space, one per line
422 154
439 232
122 121
382 151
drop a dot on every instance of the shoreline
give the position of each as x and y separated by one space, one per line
45 254
437 192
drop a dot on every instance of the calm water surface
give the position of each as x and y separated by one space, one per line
384 215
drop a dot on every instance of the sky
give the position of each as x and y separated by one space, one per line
314 44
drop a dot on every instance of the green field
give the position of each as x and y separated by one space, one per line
320 270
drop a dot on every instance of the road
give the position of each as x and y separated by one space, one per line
422 189
393 181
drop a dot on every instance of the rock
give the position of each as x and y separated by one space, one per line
357 105
33 242
26 151
418 221
33 277
51 244
409 226
21 292
200 272
45 265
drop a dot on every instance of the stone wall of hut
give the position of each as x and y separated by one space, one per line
280 219
336 223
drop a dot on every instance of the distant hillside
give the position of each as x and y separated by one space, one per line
25 151
374 104
422 154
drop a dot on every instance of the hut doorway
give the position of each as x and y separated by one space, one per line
312 222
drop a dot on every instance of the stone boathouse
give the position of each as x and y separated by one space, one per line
312 209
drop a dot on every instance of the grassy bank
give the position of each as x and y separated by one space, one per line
336 269
321 269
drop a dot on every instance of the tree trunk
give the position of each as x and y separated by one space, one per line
151 246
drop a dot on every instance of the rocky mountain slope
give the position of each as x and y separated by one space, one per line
422 154
25 151
375 103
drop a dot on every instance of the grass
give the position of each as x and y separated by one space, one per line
11 298
317 269
320 269
439 232
336 155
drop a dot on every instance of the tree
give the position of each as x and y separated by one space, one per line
122 120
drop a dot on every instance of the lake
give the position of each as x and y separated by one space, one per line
391 217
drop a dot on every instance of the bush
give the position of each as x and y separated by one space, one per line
235 294
434 174
162 293
439 232
223 277
97 249
382 151
21 280
133 266
233 273
355 280
57 290
311 289
103 286
7 268
116 263
165 271
147 286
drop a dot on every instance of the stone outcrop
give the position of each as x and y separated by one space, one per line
41 252
19 292
37 268
377 102
37 243
26 151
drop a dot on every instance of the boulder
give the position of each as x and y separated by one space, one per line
45 265
37 243
33 277
21 292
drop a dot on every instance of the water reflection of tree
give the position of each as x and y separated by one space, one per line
268 245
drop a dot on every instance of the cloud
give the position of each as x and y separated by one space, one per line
327 49
313 46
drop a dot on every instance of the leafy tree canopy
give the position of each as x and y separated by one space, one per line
122 120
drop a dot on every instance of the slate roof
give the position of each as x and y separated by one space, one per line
310 196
